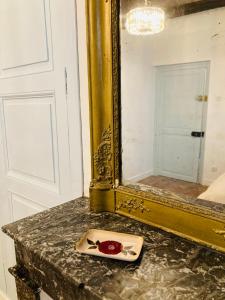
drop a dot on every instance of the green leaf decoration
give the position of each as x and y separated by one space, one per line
124 252
90 242
132 253
93 247
128 247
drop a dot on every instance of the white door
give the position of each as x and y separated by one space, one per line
2 273
41 161
180 114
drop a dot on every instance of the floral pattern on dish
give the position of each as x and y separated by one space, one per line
111 247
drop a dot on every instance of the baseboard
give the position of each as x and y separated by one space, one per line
207 182
3 296
139 177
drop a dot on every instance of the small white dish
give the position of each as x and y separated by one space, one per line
110 244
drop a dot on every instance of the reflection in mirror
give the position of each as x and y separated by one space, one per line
173 97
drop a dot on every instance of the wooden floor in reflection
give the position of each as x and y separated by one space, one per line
175 185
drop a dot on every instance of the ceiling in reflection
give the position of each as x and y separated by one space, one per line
129 4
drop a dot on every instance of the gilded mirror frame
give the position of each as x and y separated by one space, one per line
194 222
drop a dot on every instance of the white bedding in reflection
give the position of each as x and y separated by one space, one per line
216 191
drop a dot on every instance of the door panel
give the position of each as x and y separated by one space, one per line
30 49
178 114
23 207
17 51
177 153
22 117
40 133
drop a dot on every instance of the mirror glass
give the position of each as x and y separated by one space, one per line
173 98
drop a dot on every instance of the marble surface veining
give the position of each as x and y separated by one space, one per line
169 268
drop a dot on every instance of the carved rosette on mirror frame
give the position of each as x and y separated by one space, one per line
192 221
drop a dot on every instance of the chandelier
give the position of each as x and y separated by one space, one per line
145 20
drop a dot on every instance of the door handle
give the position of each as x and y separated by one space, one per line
198 133
202 98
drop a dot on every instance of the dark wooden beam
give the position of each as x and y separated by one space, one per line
194 7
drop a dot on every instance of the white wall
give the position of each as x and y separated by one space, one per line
84 96
192 38
137 90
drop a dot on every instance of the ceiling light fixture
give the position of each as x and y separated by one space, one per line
145 20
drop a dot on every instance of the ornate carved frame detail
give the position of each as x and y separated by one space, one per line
103 158
132 204
107 193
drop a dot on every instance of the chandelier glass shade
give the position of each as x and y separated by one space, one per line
145 20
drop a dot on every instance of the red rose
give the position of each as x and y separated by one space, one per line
110 247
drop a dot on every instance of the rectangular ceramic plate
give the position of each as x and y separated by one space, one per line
110 244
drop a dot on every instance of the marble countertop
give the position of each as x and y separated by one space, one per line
169 268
